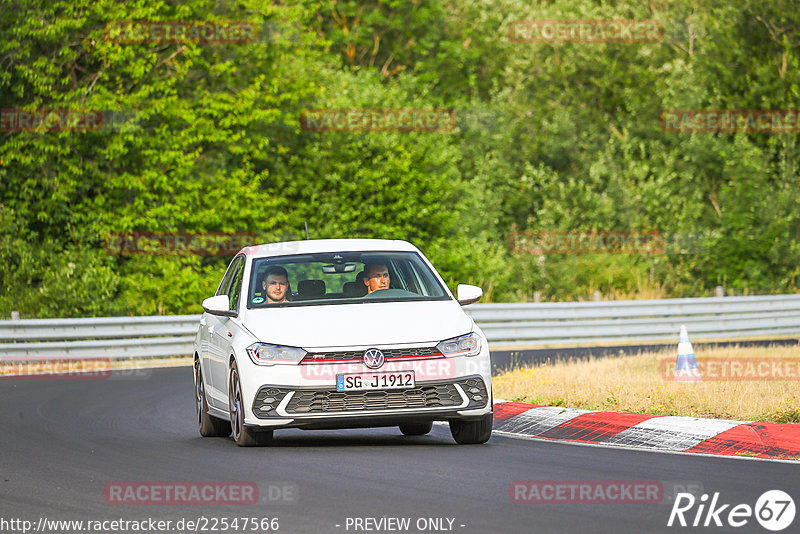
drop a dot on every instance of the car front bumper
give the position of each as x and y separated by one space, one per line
314 407
305 395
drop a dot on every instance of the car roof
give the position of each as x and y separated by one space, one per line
308 246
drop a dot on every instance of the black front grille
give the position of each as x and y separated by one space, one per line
434 395
357 355
324 401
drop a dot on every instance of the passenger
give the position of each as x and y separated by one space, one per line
376 277
276 284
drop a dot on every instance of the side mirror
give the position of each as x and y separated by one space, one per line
467 294
219 305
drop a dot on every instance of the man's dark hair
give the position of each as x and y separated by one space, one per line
371 264
276 270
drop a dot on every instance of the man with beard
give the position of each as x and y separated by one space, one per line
276 285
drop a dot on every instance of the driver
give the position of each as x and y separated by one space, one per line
276 284
376 277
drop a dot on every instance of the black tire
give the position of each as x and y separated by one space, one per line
416 429
472 432
242 435
208 425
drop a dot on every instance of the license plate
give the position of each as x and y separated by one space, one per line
369 381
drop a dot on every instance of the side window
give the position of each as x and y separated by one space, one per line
236 286
223 286
425 284
407 275
422 281
396 279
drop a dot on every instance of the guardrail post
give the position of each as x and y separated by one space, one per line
597 296
15 315
537 296
720 291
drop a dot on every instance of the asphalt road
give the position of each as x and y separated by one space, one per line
63 441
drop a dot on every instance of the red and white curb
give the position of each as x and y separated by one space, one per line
655 432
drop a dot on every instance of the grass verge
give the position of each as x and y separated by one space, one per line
744 383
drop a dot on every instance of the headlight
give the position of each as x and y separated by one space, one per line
469 345
266 354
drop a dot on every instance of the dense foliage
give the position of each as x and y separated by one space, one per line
549 136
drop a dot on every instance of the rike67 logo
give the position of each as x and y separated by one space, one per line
774 510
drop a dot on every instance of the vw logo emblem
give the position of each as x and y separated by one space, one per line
373 358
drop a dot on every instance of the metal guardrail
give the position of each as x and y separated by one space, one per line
533 324
98 337
575 323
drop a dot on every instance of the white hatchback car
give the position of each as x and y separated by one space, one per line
339 333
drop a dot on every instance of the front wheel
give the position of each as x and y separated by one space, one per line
209 426
242 435
472 432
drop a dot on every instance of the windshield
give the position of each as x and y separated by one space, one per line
341 278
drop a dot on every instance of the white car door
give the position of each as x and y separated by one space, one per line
208 325
219 340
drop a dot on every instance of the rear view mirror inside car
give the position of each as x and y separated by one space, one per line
339 268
